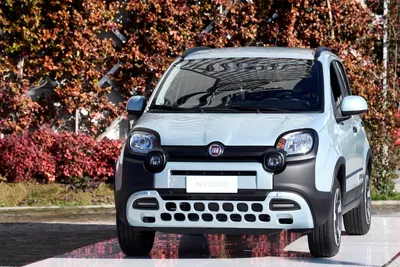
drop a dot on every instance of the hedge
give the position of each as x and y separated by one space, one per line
47 156
59 40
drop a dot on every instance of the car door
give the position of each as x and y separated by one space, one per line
358 135
345 128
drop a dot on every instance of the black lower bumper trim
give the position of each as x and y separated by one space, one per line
134 178
299 177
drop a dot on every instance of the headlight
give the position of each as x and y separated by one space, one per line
142 142
296 143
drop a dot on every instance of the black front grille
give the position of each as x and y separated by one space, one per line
231 153
215 173
242 195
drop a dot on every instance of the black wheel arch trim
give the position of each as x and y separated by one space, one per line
299 177
339 163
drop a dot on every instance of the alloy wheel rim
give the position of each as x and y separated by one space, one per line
367 199
337 217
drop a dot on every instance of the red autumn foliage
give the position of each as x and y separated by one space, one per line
59 39
47 156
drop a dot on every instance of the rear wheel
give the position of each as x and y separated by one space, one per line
132 242
324 241
358 220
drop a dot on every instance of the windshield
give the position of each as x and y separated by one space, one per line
243 85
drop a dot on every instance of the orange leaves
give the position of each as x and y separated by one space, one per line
60 40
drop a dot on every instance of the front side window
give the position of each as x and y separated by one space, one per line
343 77
242 84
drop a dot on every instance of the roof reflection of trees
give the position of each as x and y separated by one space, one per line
233 71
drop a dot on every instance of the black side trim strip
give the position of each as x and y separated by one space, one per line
352 204
353 173
392 259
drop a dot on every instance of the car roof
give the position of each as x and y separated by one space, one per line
253 51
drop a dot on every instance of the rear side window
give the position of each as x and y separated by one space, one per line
292 85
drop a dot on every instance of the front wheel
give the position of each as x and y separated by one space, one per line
324 241
358 220
132 242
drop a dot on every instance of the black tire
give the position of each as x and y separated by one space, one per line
132 242
324 241
358 220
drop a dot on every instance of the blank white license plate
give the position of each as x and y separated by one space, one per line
211 184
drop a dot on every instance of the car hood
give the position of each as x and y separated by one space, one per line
251 129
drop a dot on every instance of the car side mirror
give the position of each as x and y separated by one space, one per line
353 105
136 105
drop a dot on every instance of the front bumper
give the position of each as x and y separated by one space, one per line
218 213
297 179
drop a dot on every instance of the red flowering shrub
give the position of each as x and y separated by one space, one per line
60 40
46 156
23 160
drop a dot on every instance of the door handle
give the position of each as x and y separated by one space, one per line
355 129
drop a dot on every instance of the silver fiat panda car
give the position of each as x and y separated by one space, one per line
246 141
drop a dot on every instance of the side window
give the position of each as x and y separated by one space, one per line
336 90
343 77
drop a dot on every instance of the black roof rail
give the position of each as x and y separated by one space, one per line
194 49
319 51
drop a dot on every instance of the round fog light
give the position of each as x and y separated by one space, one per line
155 160
274 161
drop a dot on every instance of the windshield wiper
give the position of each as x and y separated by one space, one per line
259 109
173 108
166 107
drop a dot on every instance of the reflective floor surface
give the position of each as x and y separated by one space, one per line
380 247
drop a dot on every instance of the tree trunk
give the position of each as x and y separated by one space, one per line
331 19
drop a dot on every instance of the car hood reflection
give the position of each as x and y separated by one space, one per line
252 129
